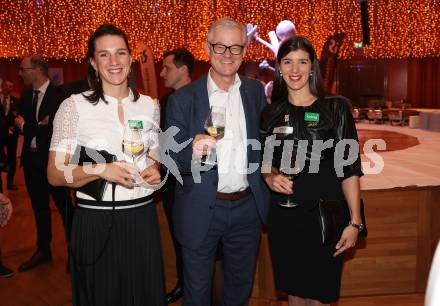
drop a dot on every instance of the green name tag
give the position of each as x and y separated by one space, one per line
311 117
135 124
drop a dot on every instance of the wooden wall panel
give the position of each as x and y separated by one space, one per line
395 258
361 80
424 82
415 80
387 262
396 79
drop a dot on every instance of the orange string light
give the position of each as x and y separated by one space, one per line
60 29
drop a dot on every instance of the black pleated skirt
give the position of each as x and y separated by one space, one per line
116 258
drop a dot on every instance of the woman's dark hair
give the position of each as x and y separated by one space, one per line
294 43
94 80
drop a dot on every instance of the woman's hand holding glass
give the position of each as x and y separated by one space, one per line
135 146
120 172
151 175
278 182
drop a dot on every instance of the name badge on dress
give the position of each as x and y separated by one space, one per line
136 124
311 119
283 130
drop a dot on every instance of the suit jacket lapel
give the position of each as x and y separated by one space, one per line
202 106
45 103
247 107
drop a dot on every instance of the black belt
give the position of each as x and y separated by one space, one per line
234 196
108 205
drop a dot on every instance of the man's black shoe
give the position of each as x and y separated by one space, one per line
37 259
5 271
175 294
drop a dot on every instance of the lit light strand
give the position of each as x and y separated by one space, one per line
60 29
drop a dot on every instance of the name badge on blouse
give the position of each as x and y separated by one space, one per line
136 124
311 119
283 130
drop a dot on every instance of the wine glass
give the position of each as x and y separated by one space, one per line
134 147
292 174
215 127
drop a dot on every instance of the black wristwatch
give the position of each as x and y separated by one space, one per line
360 227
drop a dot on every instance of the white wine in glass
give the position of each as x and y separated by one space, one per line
133 146
215 127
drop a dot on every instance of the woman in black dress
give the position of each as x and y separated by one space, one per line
115 251
308 271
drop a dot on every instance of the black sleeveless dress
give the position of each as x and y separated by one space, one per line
303 266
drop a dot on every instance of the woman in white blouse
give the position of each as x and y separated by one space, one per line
115 248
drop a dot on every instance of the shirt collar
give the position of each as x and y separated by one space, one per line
43 88
111 99
212 86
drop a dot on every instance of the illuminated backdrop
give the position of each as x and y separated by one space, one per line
59 29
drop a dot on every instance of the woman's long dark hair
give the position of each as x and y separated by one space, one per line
280 93
94 80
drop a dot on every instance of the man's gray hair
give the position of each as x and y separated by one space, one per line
227 22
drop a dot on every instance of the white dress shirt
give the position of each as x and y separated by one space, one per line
231 150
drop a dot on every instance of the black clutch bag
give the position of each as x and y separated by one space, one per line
334 218
84 156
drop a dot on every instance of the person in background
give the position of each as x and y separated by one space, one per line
75 87
229 205
177 70
36 109
116 255
308 271
5 215
8 112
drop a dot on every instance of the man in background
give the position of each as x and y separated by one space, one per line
37 108
177 70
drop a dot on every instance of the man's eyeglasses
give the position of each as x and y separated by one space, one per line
25 68
220 49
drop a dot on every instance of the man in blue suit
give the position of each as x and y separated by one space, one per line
227 202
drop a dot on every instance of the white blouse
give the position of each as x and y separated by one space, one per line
79 122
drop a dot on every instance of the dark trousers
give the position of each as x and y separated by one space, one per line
167 193
237 225
39 189
9 156
11 151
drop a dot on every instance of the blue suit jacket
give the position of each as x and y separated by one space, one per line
187 109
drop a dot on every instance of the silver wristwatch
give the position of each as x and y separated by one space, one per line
360 227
